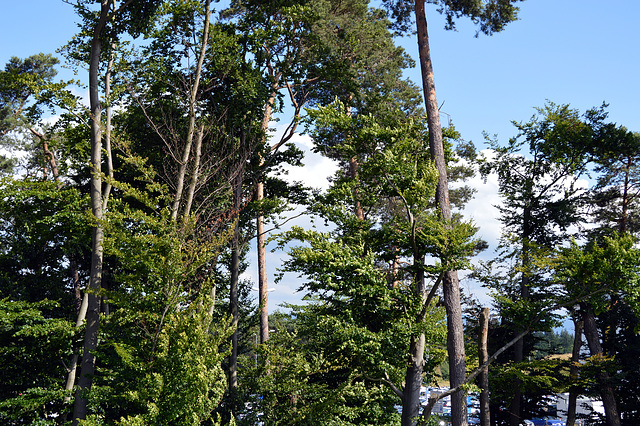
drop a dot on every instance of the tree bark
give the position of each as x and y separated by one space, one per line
595 348
262 270
195 175
483 377
413 382
415 364
451 290
95 280
573 372
73 365
260 232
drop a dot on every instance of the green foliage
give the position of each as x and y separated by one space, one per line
616 194
184 382
27 92
20 82
43 236
491 16
603 267
552 342
362 312
161 360
537 379
33 350
300 379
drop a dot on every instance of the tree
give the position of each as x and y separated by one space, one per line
616 193
492 16
27 90
541 204
131 17
394 171
596 273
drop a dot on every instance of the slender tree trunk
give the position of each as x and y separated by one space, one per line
395 268
51 158
233 286
233 308
451 290
196 171
193 97
73 365
483 377
95 280
573 372
260 233
595 348
415 364
107 133
353 172
262 270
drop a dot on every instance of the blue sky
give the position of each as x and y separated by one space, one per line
580 52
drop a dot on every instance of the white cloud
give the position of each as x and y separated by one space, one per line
315 173
317 168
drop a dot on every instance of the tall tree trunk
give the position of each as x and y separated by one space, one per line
235 275
483 377
413 381
260 231
604 381
193 97
262 269
573 372
451 290
95 279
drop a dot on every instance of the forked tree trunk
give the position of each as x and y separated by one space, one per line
604 380
73 365
451 290
195 175
415 364
573 372
193 97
